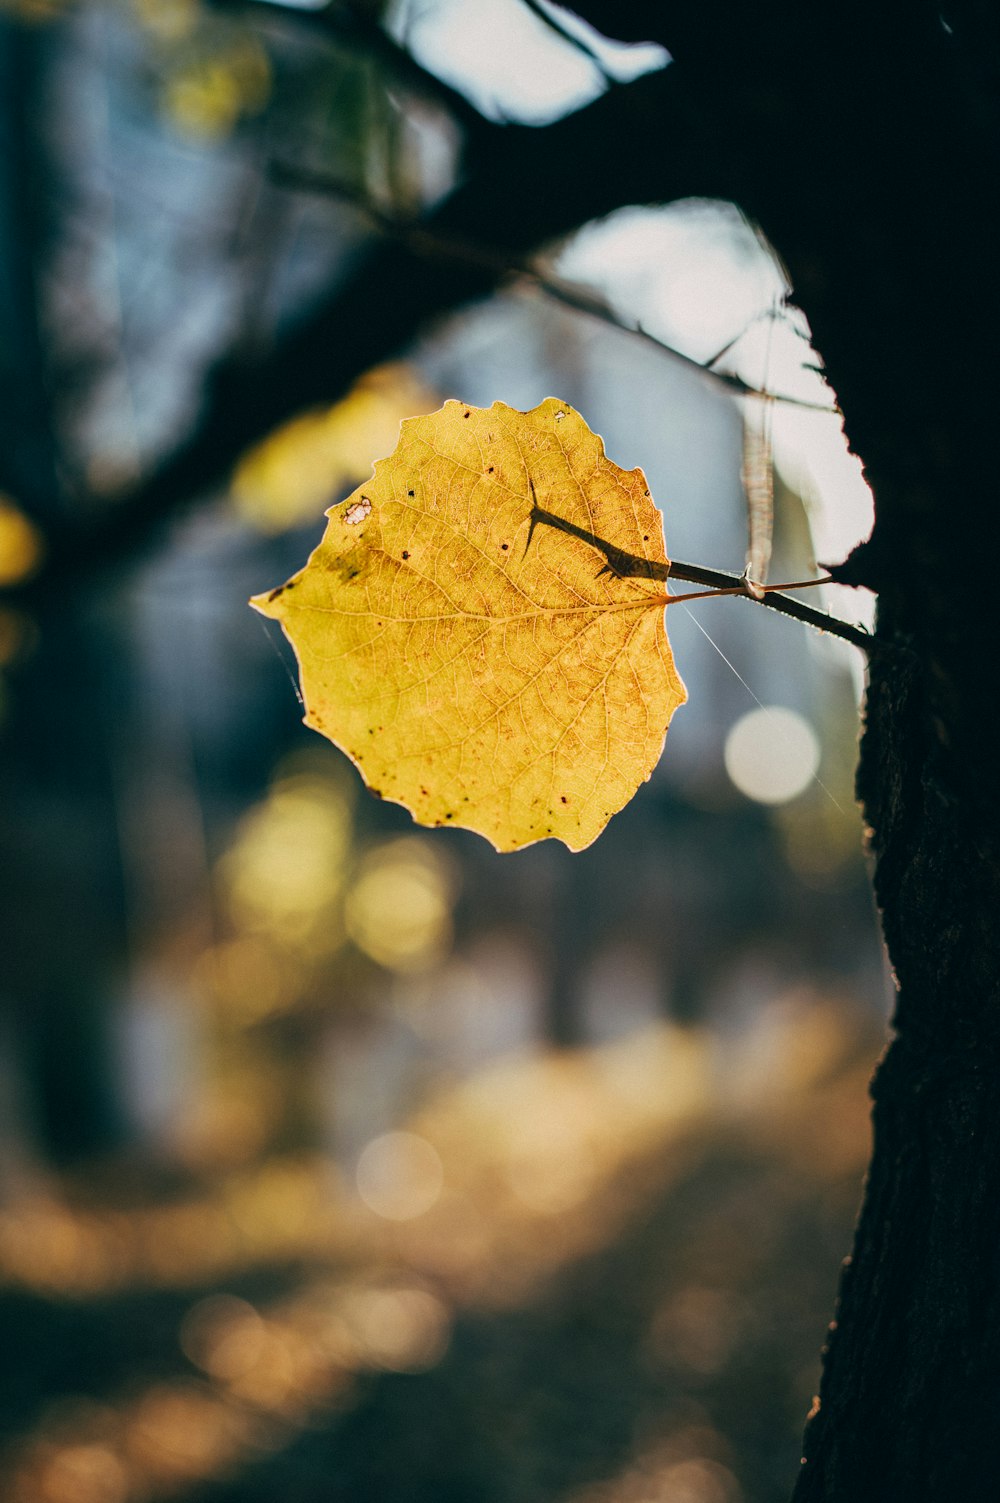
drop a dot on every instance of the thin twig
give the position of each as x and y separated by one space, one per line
636 566
584 302
427 243
757 474
721 583
578 42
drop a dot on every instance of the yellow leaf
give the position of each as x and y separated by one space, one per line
481 629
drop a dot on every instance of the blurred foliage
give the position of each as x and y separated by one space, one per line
210 71
31 11
605 1192
308 464
21 547
297 884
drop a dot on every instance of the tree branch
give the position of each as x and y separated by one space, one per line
736 584
526 187
581 299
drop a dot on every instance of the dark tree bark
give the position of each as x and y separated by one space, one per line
56 795
864 142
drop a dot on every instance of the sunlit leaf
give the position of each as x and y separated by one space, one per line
481 628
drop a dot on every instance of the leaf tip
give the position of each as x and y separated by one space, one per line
262 603
267 603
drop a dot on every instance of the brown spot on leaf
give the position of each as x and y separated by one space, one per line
505 546
275 593
563 799
405 554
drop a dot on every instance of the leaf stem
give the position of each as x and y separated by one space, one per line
721 583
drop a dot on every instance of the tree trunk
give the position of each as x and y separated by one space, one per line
864 141
911 1387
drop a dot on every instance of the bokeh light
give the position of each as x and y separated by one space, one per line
284 874
660 1477
222 1335
248 978
400 1329
398 908
399 1176
84 1474
772 754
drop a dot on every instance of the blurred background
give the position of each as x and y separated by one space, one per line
340 1159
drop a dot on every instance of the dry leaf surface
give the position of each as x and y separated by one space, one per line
482 631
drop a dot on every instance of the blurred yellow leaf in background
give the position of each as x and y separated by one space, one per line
482 629
284 875
398 909
297 471
21 546
205 94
